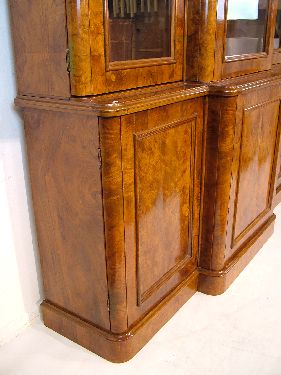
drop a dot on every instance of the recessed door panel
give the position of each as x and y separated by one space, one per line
256 177
161 191
163 182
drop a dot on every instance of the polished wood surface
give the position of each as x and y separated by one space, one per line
243 135
160 205
119 347
206 43
111 169
151 178
201 40
66 197
91 73
40 45
256 166
277 198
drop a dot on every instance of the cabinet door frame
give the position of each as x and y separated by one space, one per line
232 66
133 64
90 70
236 241
141 301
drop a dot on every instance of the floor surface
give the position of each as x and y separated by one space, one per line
236 333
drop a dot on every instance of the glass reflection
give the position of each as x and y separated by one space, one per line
246 26
139 29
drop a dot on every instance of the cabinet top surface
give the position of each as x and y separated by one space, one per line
122 103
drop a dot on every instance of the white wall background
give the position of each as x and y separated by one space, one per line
19 271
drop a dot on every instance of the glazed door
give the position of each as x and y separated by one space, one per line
161 162
244 37
121 44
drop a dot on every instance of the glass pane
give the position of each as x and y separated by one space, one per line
139 29
246 26
277 34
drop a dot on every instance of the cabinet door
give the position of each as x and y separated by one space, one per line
122 44
244 36
254 166
161 153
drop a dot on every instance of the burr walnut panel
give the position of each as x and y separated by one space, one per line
163 190
259 132
141 197
161 165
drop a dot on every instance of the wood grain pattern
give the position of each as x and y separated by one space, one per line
201 18
165 194
161 208
119 347
143 196
277 197
66 190
255 166
40 44
217 282
90 74
242 141
110 131
218 163
120 104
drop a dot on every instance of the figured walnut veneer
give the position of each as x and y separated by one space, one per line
241 158
142 196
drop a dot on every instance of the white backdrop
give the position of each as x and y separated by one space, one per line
19 271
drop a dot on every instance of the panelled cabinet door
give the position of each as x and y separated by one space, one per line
162 169
121 44
244 36
254 165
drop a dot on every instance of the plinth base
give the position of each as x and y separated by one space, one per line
217 282
119 347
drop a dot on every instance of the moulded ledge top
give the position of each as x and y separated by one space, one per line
237 85
120 103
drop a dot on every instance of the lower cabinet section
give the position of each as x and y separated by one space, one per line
242 141
143 201
117 203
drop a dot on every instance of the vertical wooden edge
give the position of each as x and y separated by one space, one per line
217 185
277 182
112 185
220 39
201 27
78 19
277 198
275 178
